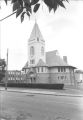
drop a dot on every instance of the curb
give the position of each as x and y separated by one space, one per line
43 93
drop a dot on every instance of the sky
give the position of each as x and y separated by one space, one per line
62 31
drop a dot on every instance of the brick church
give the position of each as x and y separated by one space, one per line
46 67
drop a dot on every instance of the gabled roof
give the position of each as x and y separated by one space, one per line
53 59
36 33
32 70
26 65
31 73
41 63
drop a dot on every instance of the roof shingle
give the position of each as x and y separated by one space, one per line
26 65
53 59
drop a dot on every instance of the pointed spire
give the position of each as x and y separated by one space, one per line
36 33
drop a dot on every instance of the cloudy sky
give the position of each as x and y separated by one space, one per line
62 31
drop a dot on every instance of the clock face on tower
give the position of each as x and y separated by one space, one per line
42 50
32 51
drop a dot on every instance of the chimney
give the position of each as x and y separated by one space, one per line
65 58
57 53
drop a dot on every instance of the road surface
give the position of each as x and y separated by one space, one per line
26 106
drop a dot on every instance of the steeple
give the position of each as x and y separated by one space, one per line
36 34
36 46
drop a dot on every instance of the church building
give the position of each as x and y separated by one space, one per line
46 67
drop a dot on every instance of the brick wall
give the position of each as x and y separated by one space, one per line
67 78
42 78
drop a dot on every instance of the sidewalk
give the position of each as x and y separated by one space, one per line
68 93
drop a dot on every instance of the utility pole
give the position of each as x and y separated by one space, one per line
6 74
6 71
0 40
0 35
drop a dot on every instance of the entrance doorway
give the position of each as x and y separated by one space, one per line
33 79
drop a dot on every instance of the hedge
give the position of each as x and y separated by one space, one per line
39 86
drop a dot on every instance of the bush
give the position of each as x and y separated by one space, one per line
39 86
2 69
2 74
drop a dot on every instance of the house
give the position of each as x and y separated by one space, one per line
46 67
79 76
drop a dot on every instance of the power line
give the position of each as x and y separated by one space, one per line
7 16
0 28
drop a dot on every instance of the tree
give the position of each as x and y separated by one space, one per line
2 68
22 7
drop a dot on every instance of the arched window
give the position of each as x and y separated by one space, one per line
42 50
32 51
37 39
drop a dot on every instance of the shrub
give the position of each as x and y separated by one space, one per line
39 86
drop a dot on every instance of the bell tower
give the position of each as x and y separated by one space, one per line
36 47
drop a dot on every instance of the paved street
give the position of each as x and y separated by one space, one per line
26 106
